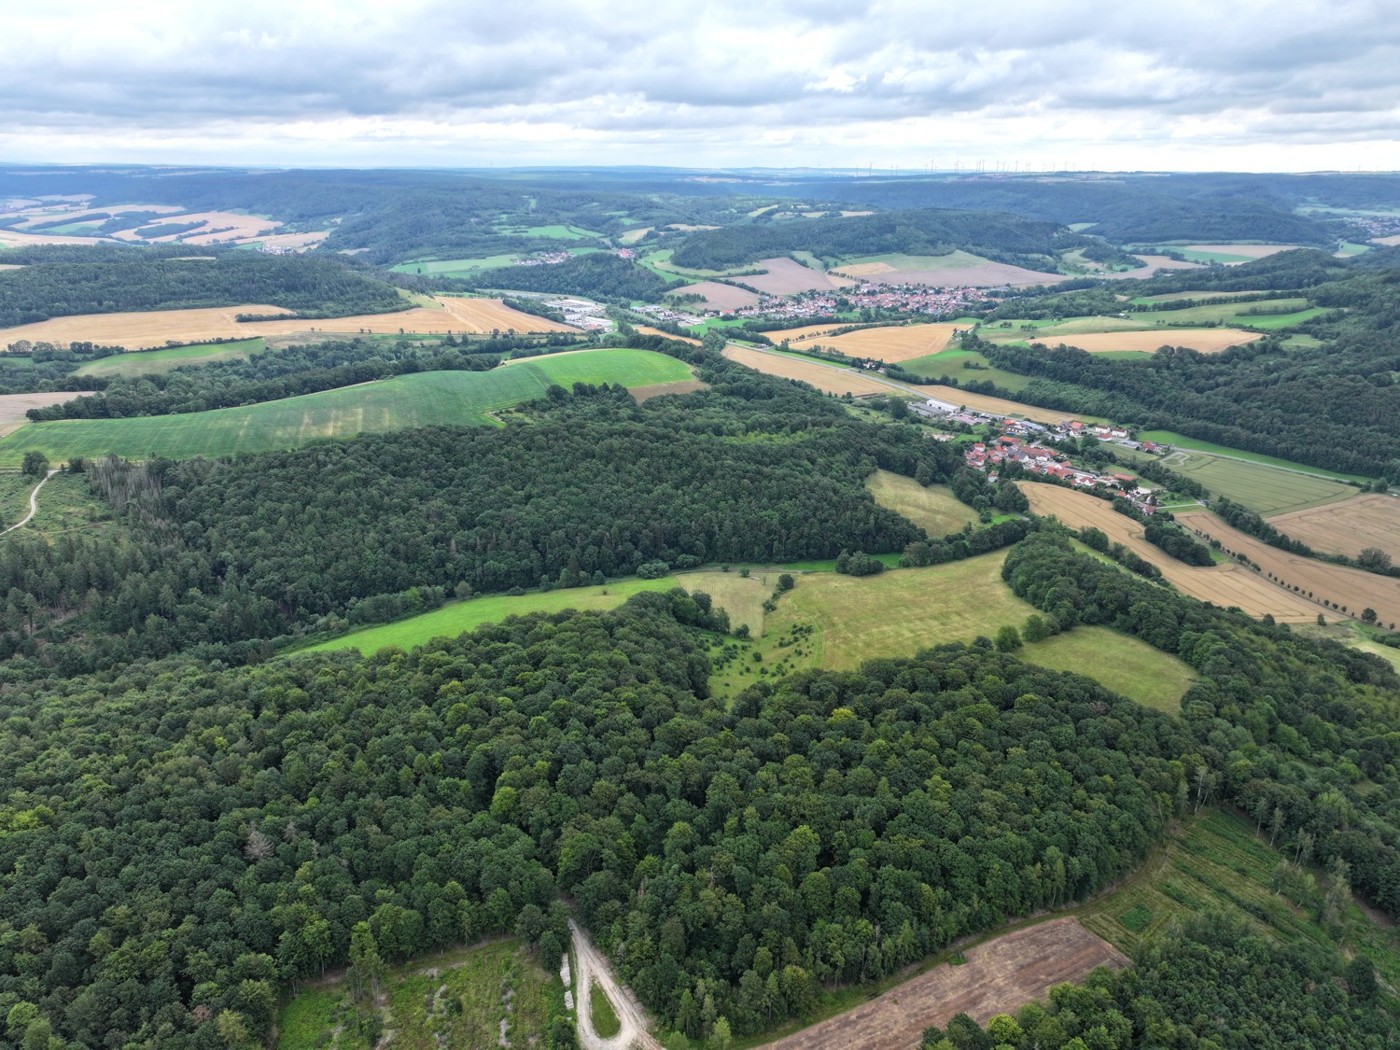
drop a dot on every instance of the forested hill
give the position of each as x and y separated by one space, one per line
1000 236
312 286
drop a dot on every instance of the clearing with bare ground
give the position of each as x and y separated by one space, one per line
1351 590
825 378
1224 585
998 977
902 343
1348 527
156 328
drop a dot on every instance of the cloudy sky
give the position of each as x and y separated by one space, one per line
1019 84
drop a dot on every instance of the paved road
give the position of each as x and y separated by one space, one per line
33 503
593 969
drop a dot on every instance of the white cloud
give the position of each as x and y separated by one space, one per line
1251 84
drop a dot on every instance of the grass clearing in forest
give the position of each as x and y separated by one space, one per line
1118 662
462 998
149 362
933 508
417 400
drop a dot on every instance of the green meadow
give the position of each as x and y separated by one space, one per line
148 362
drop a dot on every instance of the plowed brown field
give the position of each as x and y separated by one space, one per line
144 330
788 277
720 297
1223 585
14 406
825 378
1352 588
1348 527
998 977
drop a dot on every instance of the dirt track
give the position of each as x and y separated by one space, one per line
998 977
593 968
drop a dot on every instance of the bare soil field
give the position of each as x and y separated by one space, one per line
1224 585
1206 340
646 329
825 378
902 343
1253 251
720 297
788 277
1348 527
14 406
1351 589
144 330
998 977
979 275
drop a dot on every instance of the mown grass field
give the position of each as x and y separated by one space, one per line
456 999
419 400
1181 441
1118 662
147 362
933 508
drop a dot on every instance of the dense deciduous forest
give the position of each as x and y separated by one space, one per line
312 286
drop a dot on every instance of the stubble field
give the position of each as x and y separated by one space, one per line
1348 527
825 378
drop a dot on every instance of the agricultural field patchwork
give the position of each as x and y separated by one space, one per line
155 328
785 276
418 400
1349 590
1224 585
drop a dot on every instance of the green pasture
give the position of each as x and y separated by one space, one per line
555 231
1263 489
1193 255
964 366
1176 297
403 402
1181 441
1119 662
455 267
147 362
933 508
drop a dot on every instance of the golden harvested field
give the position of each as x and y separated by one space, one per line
804 334
145 330
1224 585
998 977
933 508
14 406
1348 527
1352 589
720 297
1206 340
295 241
1154 263
902 343
788 277
1389 242
825 378
646 329
16 239
11 266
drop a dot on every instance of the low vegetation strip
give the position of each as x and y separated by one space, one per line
997 977
404 402
148 362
